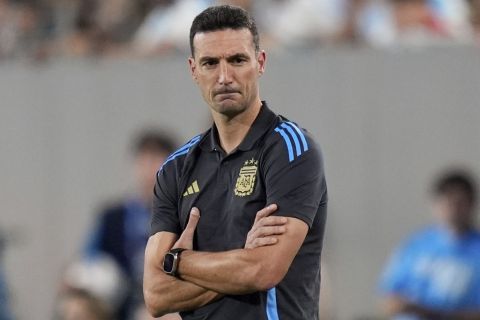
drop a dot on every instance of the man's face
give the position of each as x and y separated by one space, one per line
454 208
226 69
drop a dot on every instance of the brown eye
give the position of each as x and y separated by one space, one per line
238 60
209 63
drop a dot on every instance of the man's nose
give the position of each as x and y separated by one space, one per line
225 74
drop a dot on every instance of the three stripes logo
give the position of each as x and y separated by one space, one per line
294 139
192 189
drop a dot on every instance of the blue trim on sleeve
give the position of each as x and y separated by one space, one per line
185 147
297 135
287 142
300 133
295 139
182 150
272 309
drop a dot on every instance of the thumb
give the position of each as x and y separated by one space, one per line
193 220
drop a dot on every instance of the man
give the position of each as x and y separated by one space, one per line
214 253
436 273
121 231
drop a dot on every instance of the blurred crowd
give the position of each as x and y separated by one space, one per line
41 29
433 274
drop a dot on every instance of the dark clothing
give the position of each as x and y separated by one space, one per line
122 233
277 162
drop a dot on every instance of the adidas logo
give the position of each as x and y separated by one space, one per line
192 189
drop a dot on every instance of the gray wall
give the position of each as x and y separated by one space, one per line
387 122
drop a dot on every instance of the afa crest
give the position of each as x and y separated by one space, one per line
246 178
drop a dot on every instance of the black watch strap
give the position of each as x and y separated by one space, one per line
171 260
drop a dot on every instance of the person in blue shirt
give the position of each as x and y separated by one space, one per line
122 228
4 306
435 273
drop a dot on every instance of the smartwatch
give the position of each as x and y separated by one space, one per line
170 261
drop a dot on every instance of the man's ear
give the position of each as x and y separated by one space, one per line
261 60
193 68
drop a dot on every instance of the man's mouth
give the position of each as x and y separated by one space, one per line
226 92
226 95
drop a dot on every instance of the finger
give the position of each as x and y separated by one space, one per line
268 231
268 210
261 242
271 221
192 221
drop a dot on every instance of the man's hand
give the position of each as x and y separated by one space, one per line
262 233
265 227
186 238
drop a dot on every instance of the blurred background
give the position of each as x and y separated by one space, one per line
390 88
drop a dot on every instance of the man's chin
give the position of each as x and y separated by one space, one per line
229 108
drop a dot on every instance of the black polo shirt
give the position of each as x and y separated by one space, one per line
277 162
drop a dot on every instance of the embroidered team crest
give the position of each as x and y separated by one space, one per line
246 178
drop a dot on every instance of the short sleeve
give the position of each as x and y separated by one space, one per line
164 207
294 174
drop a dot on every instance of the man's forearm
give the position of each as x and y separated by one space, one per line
244 271
164 293
230 272
176 295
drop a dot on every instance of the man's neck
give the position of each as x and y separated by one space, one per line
232 131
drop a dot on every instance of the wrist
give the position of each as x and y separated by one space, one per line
171 261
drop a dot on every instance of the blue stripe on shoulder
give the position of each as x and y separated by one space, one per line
290 131
287 142
294 136
182 150
300 133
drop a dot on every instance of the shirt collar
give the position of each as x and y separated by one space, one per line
259 127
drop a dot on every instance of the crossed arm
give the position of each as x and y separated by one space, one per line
206 277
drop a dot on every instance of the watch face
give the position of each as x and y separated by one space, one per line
168 263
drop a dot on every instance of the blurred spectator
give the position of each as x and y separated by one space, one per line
103 27
166 28
435 274
25 28
78 304
100 276
412 22
300 23
79 28
4 301
475 18
121 230
248 5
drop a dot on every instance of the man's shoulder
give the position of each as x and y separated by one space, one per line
424 238
178 157
289 139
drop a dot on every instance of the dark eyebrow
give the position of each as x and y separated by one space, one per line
207 58
238 56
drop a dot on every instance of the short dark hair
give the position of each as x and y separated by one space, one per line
456 179
223 17
154 141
